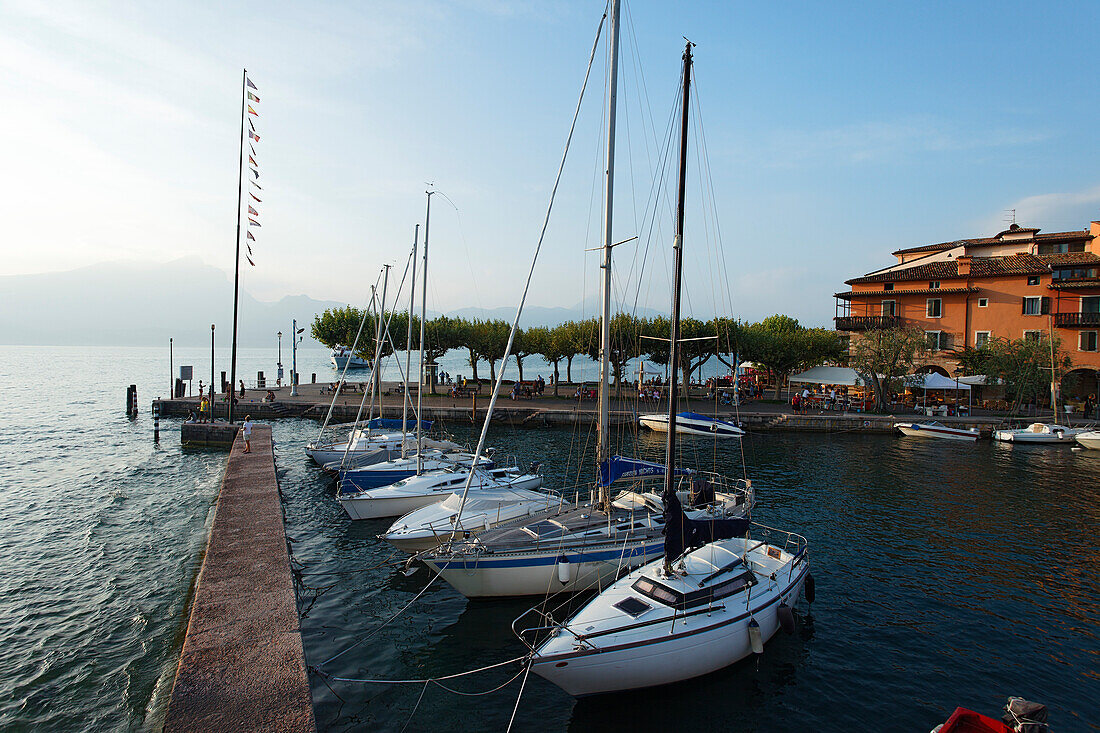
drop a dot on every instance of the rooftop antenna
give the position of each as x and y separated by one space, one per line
1010 216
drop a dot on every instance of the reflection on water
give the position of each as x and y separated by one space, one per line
947 575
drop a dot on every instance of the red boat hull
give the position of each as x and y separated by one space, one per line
967 721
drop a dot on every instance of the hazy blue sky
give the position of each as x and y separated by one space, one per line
835 133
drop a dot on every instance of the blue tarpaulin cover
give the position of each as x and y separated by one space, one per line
618 467
392 423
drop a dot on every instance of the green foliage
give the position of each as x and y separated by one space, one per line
883 356
1023 365
340 326
781 345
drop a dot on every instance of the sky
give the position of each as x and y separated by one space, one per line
824 136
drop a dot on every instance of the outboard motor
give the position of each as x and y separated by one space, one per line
1023 716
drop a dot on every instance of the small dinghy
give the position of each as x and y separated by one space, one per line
1018 716
1039 432
692 423
936 430
681 616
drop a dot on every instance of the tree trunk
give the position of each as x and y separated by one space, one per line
519 363
556 379
568 370
473 365
493 371
780 378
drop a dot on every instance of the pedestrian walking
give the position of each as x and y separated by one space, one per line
247 430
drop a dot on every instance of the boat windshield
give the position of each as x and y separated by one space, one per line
681 601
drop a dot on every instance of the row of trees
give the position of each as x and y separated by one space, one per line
779 343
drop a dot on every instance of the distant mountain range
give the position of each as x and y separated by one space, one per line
142 304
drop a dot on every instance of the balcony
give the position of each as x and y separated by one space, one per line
863 323
1076 320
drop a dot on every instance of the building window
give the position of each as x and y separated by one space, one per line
934 285
938 340
983 302
1088 341
1061 247
981 338
889 307
934 308
1033 280
888 286
1033 306
1032 335
1090 304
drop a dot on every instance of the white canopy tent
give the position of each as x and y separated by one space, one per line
938 381
841 376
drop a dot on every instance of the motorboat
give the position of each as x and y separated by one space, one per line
671 621
385 473
582 546
511 496
1039 432
936 430
344 358
692 423
1018 716
430 487
1089 439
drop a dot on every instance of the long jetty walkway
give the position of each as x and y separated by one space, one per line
565 411
243 666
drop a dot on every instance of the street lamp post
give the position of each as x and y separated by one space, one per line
279 374
211 371
294 358
958 371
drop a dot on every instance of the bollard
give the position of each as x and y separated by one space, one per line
260 380
314 381
130 400
156 422
224 388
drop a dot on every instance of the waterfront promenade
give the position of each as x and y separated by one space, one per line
243 665
313 402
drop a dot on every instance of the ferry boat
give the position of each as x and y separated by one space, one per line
343 358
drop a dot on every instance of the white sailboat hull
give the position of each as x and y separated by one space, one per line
380 508
660 646
942 432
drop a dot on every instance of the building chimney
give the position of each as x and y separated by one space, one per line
1093 245
963 264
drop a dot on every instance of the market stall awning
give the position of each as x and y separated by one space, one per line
938 381
843 376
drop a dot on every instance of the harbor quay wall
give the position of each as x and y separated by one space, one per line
243 665
507 413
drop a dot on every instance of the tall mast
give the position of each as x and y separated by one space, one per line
381 337
423 319
237 257
408 349
603 441
677 271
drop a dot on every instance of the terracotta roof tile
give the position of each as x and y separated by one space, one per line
1092 284
849 295
1018 264
1069 258
979 241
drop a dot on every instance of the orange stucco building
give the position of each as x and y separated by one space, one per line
1019 283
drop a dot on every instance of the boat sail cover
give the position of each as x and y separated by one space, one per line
683 533
617 467
392 423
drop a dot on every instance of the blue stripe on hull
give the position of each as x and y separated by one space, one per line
362 480
483 563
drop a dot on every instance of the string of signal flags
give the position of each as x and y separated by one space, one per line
255 189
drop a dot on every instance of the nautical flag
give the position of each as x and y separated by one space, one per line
251 125
250 260
253 223
250 237
252 211
257 185
252 97
254 136
254 196
253 161
255 172
250 84
252 111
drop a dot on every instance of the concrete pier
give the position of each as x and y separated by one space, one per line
242 665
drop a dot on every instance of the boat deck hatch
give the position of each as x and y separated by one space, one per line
632 606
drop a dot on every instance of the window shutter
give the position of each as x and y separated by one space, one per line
1044 305
1023 306
945 341
1081 341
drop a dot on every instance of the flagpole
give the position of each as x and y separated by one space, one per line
237 257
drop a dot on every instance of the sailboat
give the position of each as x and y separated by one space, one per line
716 596
582 546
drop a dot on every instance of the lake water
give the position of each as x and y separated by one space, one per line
946 574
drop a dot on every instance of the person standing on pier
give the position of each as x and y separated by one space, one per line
242 389
247 430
